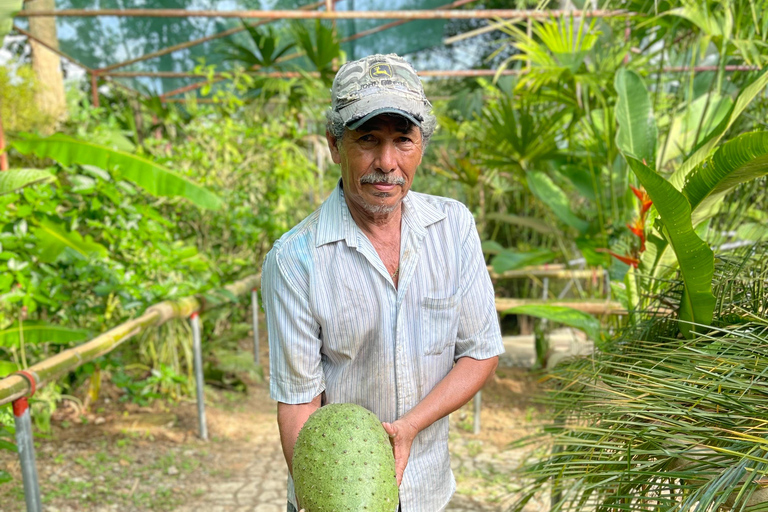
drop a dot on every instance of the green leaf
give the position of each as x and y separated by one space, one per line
526 222
151 176
6 445
637 128
563 315
752 231
39 332
491 247
54 239
746 96
7 368
5 477
511 260
694 257
743 159
7 10
14 179
553 196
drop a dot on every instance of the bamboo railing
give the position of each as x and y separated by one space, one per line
16 386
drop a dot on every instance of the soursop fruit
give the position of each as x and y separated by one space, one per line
343 462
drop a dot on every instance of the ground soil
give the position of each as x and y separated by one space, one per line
119 456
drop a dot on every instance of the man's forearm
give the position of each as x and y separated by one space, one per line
290 419
465 379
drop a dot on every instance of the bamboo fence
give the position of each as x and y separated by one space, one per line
15 386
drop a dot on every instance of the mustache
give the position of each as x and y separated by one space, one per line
380 177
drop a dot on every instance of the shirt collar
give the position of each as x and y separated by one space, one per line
336 223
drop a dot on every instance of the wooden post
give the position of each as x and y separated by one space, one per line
95 89
3 155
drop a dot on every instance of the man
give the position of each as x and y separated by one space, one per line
381 297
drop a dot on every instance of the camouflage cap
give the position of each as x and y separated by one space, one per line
375 85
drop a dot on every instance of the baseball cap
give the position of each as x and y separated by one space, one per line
375 85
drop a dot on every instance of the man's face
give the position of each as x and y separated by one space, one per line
378 162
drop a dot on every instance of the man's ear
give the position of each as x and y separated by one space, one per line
333 145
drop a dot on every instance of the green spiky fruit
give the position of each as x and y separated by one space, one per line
343 461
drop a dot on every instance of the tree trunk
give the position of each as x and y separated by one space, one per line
47 64
3 154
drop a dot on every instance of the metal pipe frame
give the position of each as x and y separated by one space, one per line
197 349
477 404
195 42
414 14
191 87
255 313
26 448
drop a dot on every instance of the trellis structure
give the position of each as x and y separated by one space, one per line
151 67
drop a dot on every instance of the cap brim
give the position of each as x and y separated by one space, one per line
362 111
354 125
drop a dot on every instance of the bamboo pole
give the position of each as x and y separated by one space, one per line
415 14
44 372
195 42
594 307
546 274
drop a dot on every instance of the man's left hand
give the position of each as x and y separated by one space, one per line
401 435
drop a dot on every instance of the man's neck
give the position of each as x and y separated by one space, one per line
379 226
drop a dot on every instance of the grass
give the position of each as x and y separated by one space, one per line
112 474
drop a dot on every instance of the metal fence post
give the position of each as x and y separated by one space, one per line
26 447
478 398
198 355
255 308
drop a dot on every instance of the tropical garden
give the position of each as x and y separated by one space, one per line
633 145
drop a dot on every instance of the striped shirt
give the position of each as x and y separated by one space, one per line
338 325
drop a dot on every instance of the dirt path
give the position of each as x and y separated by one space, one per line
128 458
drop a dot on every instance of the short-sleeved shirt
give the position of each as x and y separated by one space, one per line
338 325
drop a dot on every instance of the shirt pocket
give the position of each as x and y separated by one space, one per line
439 323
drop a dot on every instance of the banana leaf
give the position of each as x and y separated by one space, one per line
14 179
746 96
151 176
562 315
553 196
54 240
742 159
526 222
694 257
39 332
511 260
637 133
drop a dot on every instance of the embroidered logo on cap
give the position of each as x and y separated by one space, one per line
380 71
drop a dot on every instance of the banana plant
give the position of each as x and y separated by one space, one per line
680 214
15 179
151 176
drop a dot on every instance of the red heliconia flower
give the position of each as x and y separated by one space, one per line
645 200
638 228
629 260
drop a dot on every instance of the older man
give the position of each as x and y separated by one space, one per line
381 297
